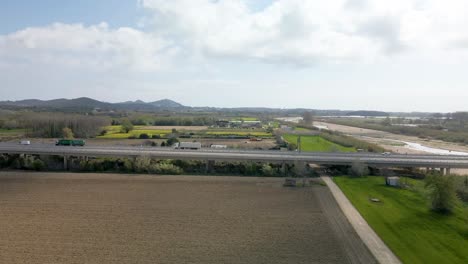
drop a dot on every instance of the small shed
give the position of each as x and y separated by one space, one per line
393 181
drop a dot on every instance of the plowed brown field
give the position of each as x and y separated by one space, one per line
93 218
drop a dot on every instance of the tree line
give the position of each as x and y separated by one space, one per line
53 125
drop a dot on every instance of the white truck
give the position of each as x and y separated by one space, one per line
218 146
187 145
25 142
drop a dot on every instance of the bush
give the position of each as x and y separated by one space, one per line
142 164
38 165
4 161
127 165
171 141
442 193
267 170
144 136
156 136
167 168
292 146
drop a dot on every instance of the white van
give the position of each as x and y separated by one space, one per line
25 142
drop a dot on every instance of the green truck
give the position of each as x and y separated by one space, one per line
70 142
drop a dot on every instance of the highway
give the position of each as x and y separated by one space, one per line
392 160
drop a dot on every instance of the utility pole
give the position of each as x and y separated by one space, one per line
299 144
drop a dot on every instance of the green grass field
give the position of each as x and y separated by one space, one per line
403 220
113 132
317 144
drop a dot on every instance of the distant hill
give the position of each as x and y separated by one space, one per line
166 103
85 104
88 104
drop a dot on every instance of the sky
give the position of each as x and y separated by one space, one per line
399 55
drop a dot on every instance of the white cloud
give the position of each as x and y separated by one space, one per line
297 32
76 45
310 32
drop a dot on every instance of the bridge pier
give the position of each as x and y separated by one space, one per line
65 162
209 166
447 171
300 167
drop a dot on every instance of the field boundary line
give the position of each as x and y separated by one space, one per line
382 253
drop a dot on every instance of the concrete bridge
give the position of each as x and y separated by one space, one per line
441 162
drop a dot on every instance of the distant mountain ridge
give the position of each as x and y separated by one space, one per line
85 103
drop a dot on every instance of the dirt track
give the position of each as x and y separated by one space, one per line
92 218
384 139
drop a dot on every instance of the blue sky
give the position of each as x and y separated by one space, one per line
403 55
19 14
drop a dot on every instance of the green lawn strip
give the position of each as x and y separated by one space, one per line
405 223
317 143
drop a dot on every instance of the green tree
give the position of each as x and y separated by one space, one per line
171 141
38 165
127 126
387 121
67 133
442 193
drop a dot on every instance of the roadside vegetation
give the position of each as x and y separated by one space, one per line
147 165
404 218
351 142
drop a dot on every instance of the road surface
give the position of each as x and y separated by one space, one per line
394 160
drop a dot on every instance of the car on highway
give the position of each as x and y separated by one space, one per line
25 142
386 153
